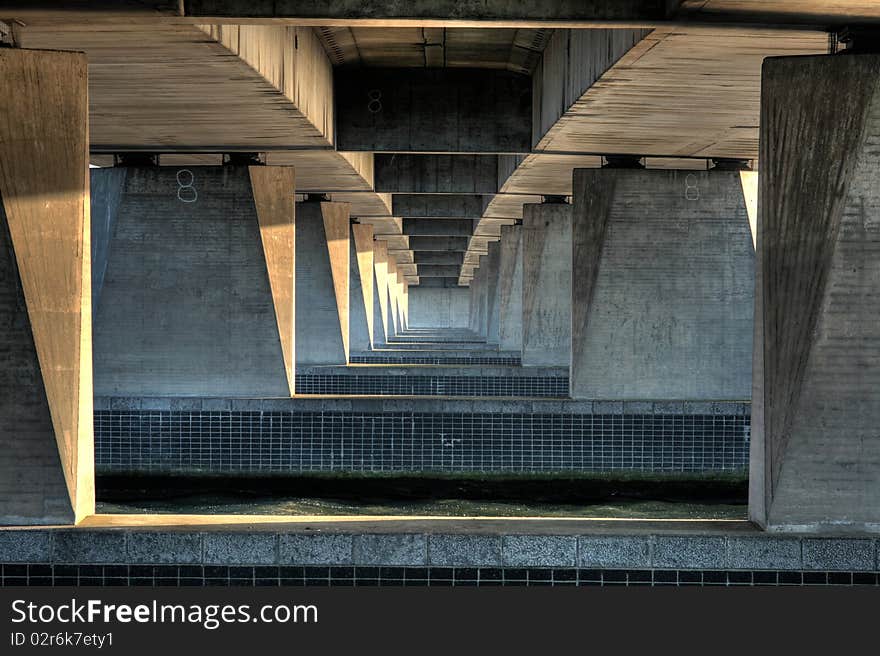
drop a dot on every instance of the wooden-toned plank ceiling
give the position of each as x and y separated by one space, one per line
680 92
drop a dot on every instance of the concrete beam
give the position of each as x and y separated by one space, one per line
546 301
46 436
439 282
510 277
662 286
437 227
438 270
322 283
433 110
402 257
438 244
432 257
378 13
815 461
436 174
441 206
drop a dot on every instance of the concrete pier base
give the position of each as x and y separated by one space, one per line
546 297
815 462
198 294
322 282
46 436
510 289
662 285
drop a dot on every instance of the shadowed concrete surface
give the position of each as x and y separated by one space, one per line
46 403
106 193
662 285
273 188
322 282
440 109
187 305
815 449
439 307
382 329
362 292
546 304
510 289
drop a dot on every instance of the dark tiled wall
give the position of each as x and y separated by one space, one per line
32 574
519 386
253 442
401 358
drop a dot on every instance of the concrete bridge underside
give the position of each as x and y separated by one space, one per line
553 204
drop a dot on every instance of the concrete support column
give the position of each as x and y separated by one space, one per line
510 289
815 462
323 267
482 297
198 294
381 318
546 299
493 299
361 293
46 436
662 285
404 297
394 324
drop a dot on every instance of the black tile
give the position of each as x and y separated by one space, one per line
815 578
840 578
739 578
688 577
665 576
714 578
639 576
764 578
790 578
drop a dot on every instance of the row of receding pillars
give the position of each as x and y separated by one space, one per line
816 371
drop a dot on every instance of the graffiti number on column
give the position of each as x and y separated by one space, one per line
374 101
691 190
186 193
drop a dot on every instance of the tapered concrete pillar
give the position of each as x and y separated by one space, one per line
392 297
382 327
546 239
473 293
662 285
198 291
510 289
323 268
493 299
361 294
816 400
46 437
406 304
481 298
